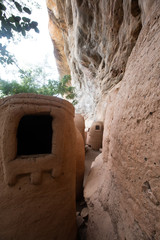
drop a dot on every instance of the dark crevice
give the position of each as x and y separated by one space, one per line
136 32
135 10
79 2
69 14
57 52
117 15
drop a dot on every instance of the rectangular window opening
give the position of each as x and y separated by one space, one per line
97 127
34 135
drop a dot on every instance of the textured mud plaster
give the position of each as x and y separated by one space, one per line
37 199
80 162
95 135
80 165
80 124
123 188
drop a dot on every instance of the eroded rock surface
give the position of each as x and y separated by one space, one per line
122 191
97 37
56 33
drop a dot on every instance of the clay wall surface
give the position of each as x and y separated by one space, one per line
37 192
95 135
80 124
80 160
80 164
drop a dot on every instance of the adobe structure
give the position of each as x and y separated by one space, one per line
80 124
80 161
80 165
95 135
38 168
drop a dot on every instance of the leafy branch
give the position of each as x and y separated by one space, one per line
30 84
13 19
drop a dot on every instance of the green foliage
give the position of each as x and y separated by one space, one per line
30 84
13 20
5 56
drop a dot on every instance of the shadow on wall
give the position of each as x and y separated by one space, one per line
80 163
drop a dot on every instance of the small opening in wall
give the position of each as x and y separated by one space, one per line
34 135
97 127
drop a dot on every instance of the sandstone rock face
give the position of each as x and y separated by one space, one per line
56 34
97 38
37 170
123 189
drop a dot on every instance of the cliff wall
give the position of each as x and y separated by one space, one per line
112 50
123 189
97 37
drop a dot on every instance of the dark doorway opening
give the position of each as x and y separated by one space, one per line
97 127
34 135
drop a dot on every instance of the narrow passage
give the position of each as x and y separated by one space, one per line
82 210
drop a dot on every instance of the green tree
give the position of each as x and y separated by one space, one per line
31 83
13 19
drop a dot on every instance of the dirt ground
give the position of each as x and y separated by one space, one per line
82 220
